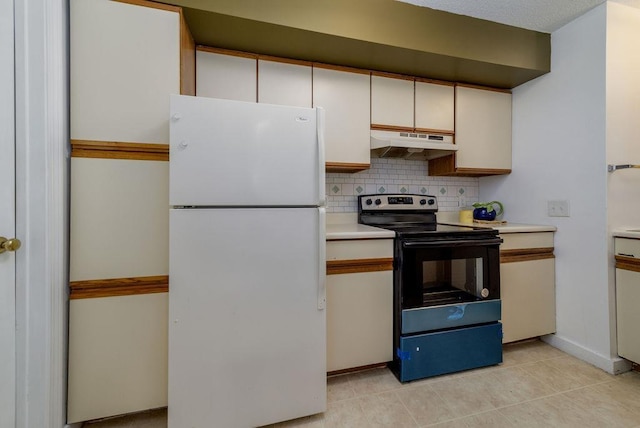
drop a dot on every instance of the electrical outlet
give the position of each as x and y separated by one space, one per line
558 208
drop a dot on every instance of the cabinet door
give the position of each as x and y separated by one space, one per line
434 107
391 102
359 319
345 97
117 94
284 84
117 355
628 316
527 290
226 76
483 129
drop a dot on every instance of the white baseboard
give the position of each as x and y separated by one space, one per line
76 425
615 365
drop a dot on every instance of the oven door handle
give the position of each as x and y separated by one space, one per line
451 243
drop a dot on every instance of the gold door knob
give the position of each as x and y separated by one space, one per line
9 244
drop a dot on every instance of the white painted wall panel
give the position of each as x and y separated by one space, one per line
559 133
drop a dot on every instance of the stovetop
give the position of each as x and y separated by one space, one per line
412 216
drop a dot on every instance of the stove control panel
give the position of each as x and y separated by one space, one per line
401 202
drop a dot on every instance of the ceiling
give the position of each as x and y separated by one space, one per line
545 16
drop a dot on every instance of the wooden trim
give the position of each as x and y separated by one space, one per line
346 167
118 150
393 128
435 82
526 254
285 60
336 267
392 75
226 52
152 4
341 68
118 287
628 263
357 369
434 131
187 59
486 88
480 172
445 166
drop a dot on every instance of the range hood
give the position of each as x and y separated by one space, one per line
411 145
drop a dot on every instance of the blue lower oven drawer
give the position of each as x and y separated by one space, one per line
449 351
448 316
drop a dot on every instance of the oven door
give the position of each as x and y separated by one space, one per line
450 283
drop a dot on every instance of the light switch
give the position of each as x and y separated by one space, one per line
558 208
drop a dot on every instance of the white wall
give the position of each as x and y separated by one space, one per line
559 152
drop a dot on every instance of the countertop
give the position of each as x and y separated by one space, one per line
509 227
626 233
356 231
345 226
451 218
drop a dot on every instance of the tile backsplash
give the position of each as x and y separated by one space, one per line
398 176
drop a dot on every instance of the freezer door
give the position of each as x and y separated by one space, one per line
247 335
234 153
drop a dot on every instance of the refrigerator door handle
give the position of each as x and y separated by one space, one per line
322 262
321 156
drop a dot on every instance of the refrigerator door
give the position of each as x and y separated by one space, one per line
247 340
234 153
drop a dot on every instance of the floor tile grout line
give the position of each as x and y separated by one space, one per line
566 390
624 406
415 421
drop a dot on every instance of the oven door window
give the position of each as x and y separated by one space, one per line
433 277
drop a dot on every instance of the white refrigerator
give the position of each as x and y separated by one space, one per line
247 324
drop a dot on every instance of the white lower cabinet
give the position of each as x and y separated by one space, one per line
359 303
527 285
359 319
628 316
117 355
627 297
528 299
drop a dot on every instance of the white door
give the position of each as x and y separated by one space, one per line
7 217
247 320
236 153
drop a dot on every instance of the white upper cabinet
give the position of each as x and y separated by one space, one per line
345 96
225 76
284 83
392 102
117 94
483 129
434 107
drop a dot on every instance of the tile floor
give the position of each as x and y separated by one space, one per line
536 386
